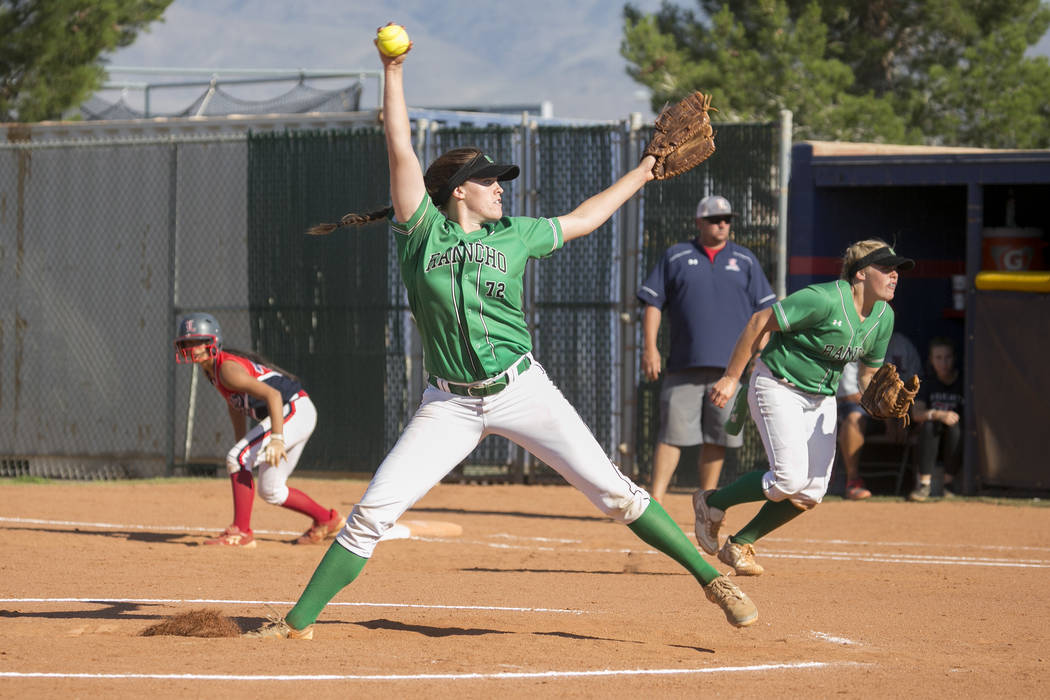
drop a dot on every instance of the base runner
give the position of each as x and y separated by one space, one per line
256 388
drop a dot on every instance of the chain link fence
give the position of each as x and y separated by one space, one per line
99 242
104 244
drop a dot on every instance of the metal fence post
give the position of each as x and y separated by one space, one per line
630 252
529 190
782 209
425 130
173 221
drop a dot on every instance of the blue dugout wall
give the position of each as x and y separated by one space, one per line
934 204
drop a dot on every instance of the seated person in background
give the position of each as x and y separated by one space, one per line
852 422
938 411
852 419
901 353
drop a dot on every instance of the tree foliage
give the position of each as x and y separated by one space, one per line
50 50
947 72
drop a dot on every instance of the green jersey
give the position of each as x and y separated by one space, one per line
465 289
820 332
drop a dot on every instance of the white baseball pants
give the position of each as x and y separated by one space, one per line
531 412
798 432
300 419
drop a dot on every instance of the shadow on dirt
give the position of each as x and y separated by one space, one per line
530 570
430 631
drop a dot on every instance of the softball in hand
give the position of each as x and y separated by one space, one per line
392 40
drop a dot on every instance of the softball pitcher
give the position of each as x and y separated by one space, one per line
256 388
463 262
814 332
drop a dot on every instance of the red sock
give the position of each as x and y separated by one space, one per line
243 498
301 503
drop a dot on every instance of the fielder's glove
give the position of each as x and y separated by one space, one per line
683 137
888 397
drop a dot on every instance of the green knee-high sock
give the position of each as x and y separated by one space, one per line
339 567
746 489
656 528
771 516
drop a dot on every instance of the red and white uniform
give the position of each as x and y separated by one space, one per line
300 419
249 405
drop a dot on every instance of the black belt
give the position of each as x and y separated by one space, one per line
501 382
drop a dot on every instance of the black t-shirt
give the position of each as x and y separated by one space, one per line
942 397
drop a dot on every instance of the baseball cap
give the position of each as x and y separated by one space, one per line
885 256
715 205
480 166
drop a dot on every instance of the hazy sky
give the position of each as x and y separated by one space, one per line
465 53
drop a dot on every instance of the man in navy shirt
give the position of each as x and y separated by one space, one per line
710 287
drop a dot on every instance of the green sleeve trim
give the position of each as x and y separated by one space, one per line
559 237
415 220
782 321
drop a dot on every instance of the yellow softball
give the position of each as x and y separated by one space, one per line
392 40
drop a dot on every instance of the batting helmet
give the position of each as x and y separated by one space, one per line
197 327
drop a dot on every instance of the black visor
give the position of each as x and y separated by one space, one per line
881 256
480 167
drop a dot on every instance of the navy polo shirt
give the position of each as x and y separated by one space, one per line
709 303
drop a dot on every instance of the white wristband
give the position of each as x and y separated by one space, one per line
277 436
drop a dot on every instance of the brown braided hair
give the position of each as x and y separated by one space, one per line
437 175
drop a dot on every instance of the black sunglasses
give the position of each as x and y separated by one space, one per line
718 219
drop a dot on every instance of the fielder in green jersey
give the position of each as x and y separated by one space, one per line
463 264
809 337
821 332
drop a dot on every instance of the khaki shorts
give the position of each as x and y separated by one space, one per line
687 416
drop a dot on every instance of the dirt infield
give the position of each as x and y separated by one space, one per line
539 596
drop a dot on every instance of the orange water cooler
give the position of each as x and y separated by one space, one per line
1012 248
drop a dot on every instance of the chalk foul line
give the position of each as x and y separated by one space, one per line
502 675
217 601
